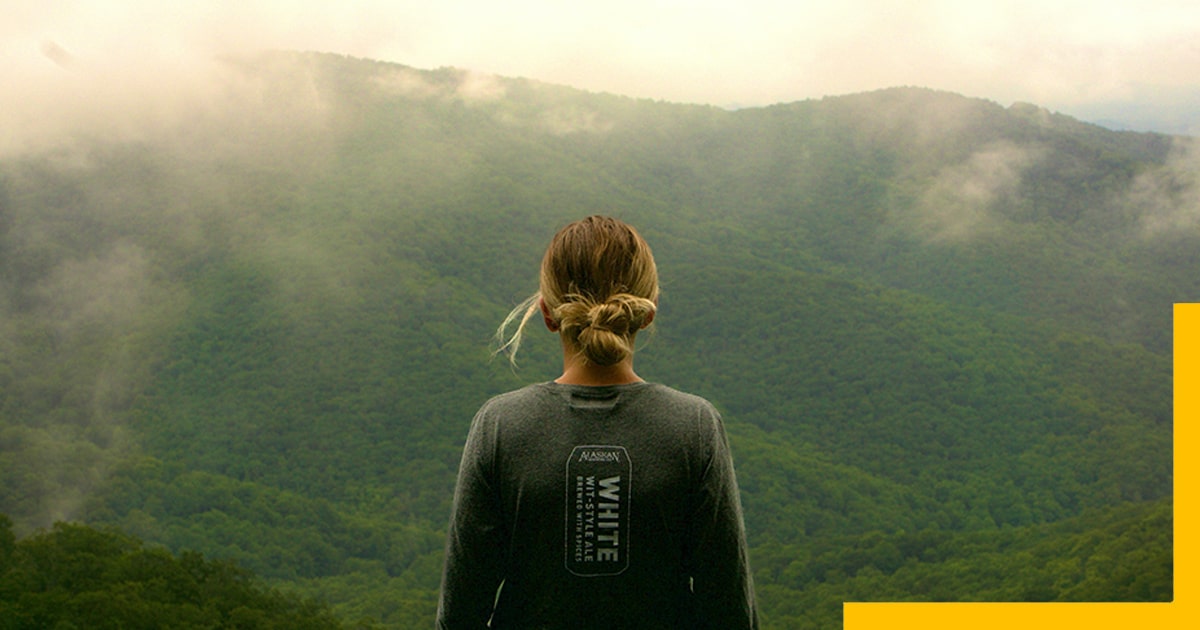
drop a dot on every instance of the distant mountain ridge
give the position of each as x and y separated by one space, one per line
1157 109
939 329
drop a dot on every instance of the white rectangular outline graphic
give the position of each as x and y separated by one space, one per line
569 502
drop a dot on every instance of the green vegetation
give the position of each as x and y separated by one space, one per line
79 577
939 331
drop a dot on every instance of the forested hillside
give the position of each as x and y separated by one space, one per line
939 329
77 576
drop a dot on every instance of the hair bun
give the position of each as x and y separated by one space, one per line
599 283
603 331
613 316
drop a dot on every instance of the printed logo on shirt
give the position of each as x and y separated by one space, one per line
598 482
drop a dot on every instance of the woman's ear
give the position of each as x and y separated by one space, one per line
551 323
649 319
650 316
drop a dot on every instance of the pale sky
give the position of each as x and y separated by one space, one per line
1068 55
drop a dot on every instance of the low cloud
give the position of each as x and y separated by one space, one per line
56 100
464 85
111 177
477 86
1167 199
958 203
76 341
479 89
407 82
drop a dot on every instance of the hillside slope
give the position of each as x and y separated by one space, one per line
929 321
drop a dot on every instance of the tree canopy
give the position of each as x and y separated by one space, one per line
938 329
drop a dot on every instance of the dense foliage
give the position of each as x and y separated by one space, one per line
939 329
79 577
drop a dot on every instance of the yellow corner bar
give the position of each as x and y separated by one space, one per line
1015 616
1034 616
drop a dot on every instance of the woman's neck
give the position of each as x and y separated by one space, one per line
578 371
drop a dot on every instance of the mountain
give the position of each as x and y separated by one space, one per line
939 329
1148 108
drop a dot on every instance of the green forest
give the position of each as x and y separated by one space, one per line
239 353
77 576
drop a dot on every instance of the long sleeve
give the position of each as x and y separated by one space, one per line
596 507
473 568
719 563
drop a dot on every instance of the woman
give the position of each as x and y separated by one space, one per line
598 499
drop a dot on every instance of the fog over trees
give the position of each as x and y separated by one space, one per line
245 314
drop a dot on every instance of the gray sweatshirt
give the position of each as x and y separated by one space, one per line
596 507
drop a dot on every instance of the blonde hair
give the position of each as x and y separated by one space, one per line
600 285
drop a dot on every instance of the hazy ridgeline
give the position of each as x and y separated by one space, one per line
246 311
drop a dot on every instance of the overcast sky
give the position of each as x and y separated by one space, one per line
1067 55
